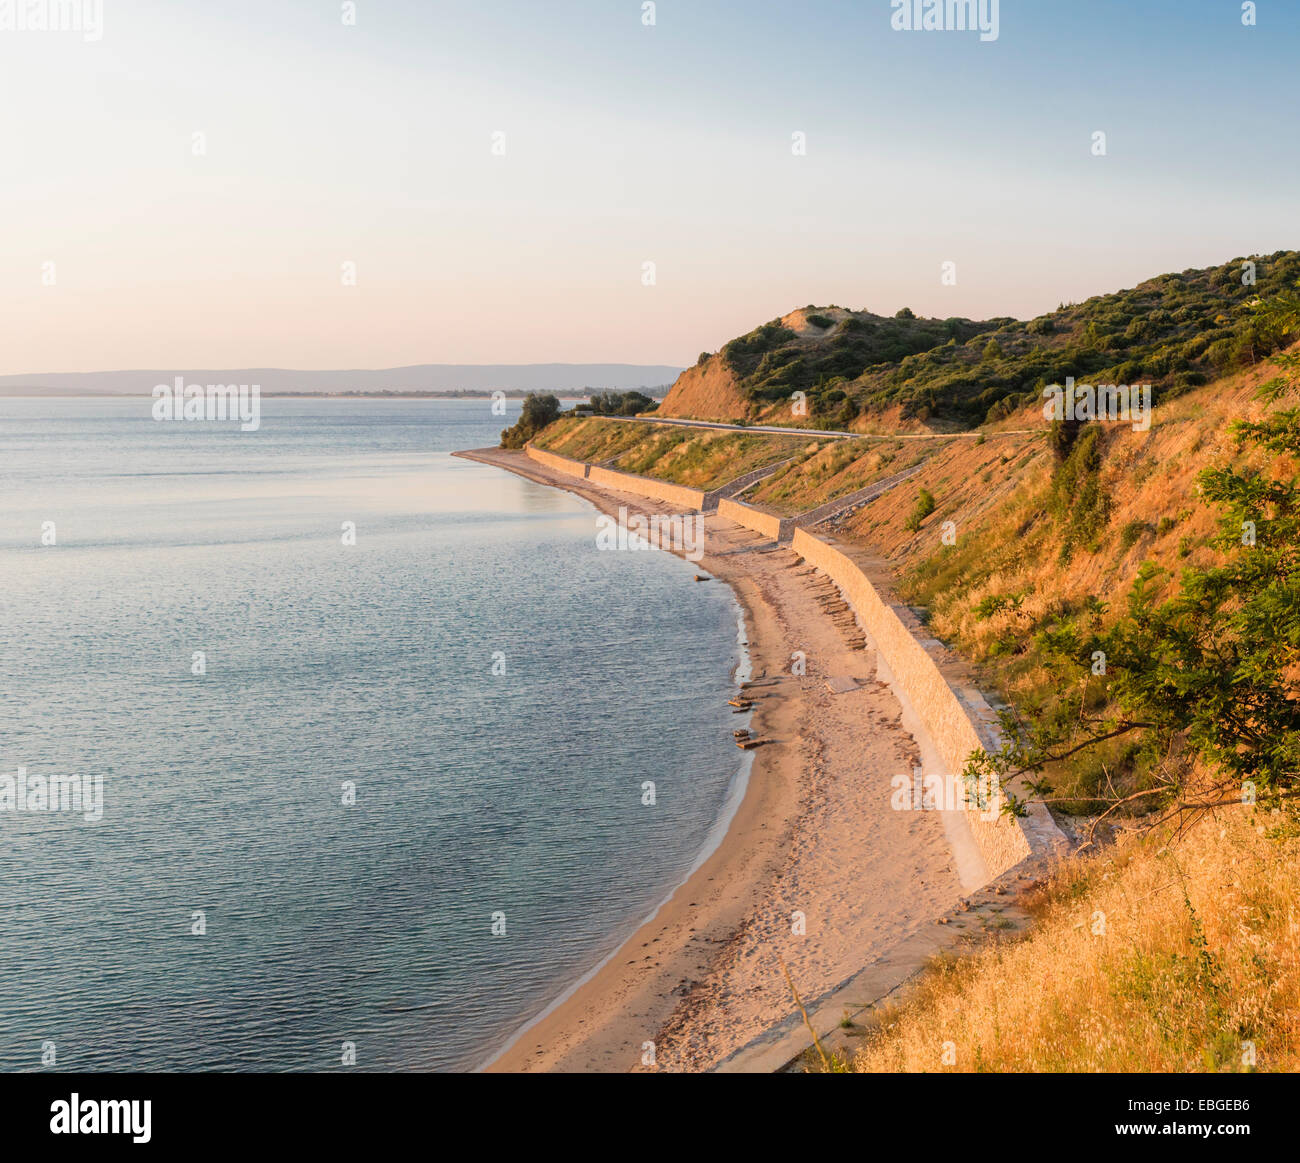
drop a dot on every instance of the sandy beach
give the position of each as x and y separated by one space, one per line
816 871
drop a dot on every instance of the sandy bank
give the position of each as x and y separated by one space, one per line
816 869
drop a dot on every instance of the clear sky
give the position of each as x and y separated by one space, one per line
372 144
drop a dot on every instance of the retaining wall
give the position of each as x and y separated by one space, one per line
628 482
958 723
768 524
564 464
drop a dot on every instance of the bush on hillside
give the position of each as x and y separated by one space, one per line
539 410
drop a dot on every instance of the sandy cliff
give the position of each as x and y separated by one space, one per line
708 391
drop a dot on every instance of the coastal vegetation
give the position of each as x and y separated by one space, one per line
1152 957
1131 598
924 507
696 458
1180 689
1168 705
1176 332
834 470
619 404
539 410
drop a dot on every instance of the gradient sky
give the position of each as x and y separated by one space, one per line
624 144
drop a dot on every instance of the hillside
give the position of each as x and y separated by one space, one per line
682 456
1174 768
1142 959
863 372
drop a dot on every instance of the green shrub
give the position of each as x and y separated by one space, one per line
924 507
539 410
1132 531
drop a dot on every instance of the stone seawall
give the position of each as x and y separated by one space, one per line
768 524
656 490
627 482
564 464
958 722
683 498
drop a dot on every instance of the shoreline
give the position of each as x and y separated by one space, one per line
699 978
737 789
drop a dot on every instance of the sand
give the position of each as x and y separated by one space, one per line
816 870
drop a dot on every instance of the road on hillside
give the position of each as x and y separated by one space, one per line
817 432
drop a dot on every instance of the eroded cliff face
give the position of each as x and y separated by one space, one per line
707 391
710 391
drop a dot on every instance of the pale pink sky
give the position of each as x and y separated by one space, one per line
624 145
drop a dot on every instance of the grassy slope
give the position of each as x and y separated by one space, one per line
836 469
1146 958
1201 945
1009 576
682 456
1200 948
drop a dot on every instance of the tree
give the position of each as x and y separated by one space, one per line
1215 668
539 410
1280 314
608 403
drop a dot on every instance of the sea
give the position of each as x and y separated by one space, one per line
389 752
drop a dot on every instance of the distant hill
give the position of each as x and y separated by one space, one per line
1175 331
427 377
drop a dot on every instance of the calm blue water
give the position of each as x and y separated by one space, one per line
326 663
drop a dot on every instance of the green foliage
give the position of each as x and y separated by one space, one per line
539 410
996 603
619 403
1280 314
1077 500
1131 532
1062 436
772 361
1218 662
1174 332
1213 670
924 507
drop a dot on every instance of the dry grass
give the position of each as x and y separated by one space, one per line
1149 957
832 471
1007 578
591 439
704 460
684 456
